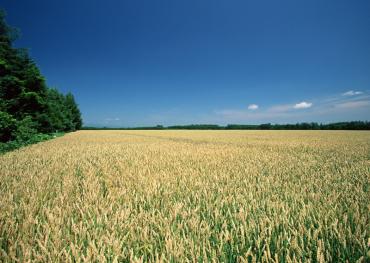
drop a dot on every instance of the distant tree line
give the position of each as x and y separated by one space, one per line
27 106
352 125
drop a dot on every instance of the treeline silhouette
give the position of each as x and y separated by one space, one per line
28 107
352 125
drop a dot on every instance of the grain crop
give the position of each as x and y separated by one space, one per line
188 196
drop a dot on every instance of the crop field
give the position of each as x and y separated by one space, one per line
188 196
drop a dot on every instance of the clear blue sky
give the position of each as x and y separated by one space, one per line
132 63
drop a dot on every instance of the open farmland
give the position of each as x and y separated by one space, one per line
179 196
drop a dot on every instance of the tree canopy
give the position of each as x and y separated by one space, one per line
27 105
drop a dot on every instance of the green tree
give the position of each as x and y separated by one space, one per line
75 112
27 106
25 130
7 126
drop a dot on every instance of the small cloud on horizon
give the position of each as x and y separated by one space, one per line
112 119
339 107
353 104
302 105
352 93
253 107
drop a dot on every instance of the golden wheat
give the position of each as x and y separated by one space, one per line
187 196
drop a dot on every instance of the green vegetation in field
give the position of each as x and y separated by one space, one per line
35 138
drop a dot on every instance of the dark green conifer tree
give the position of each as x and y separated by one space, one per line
27 106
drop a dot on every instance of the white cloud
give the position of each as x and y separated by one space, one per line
352 93
302 105
280 108
253 107
112 119
329 109
353 104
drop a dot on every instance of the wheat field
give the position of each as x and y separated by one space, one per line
188 196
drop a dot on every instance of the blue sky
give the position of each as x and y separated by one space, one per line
133 63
